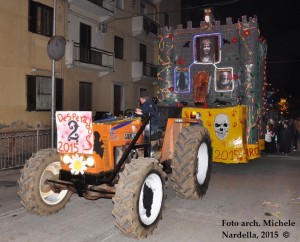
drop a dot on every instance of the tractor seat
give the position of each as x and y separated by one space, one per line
156 135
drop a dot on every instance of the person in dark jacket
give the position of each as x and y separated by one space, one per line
285 138
148 107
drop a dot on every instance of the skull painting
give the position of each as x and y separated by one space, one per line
221 126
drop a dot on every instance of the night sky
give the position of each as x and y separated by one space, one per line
279 24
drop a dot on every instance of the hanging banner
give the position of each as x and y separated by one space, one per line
227 128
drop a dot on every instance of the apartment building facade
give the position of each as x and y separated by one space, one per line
110 56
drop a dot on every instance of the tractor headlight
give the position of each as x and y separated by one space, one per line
193 114
66 159
90 161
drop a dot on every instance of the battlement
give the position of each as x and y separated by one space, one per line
236 49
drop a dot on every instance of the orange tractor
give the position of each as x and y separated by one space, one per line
114 158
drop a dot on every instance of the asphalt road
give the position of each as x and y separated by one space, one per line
260 199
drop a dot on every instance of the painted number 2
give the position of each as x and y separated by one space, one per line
73 135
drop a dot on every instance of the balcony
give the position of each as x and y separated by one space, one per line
144 71
89 58
143 26
100 8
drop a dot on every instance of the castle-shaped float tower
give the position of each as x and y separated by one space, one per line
188 74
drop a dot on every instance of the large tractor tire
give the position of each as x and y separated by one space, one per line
192 162
35 193
139 198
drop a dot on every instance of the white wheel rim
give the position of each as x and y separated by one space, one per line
50 197
202 163
153 182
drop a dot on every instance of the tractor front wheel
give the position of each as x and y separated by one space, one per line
34 189
139 198
192 162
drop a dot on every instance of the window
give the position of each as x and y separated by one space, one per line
143 53
85 96
143 57
142 9
40 18
166 19
120 4
39 93
142 90
85 43
119 47
118 89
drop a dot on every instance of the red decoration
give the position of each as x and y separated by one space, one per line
261 39
234 40
180 61
235 77
170 36
247 32
208 123
171 89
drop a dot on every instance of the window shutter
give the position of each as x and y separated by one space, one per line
32 17
31 93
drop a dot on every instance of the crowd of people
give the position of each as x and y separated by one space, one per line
283 137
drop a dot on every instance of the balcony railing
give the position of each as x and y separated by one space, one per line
143 71
99 8
90 58
149 70
150 26
144 26
108 5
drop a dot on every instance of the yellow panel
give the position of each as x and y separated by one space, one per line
261 143
252 151
227 128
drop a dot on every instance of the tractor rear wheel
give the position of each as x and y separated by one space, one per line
34 190
139 198
192 162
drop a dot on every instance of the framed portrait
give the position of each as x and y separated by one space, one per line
224 79
207 48
181 80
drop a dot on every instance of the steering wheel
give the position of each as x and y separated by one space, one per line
129 112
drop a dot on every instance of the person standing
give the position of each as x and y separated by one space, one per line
285 137
270 144
148 107
295 134
297 138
